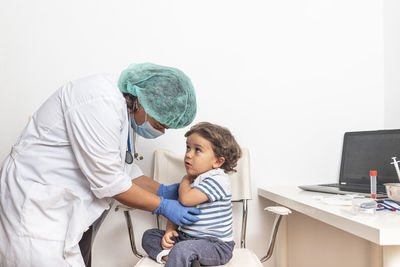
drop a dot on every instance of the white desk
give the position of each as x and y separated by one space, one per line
382 229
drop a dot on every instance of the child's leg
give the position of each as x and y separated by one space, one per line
208 251
151 242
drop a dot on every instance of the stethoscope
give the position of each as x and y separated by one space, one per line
128 156
384 205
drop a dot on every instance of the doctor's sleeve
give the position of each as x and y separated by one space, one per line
95 133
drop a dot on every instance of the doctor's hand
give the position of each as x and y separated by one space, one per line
168 191
175 212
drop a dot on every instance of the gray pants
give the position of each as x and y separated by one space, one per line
86 242
207 250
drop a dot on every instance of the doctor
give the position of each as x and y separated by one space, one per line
74 157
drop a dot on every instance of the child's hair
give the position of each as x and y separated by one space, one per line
223 143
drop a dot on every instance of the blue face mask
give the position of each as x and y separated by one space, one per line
145 130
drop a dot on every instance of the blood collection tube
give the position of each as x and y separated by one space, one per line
373 175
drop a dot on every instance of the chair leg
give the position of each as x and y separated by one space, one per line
272 241
279 211
244 224
131 235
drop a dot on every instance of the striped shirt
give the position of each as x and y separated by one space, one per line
216 214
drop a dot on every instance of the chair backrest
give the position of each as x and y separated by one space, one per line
169 168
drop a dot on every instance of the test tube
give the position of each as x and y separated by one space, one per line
373 175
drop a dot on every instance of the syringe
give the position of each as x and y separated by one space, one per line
396 165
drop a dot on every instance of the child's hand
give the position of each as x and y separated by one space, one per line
167 242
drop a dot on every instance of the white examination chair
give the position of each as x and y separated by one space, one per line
169 168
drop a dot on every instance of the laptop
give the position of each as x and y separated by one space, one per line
362 152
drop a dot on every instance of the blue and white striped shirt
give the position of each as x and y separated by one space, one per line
216 214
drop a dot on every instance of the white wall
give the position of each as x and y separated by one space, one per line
392 64
287 77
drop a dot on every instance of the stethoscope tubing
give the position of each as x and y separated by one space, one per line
128 155
382 205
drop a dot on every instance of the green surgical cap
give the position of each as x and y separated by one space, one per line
165 93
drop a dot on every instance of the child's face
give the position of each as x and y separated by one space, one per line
200 156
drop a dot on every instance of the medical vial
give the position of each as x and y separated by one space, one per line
373 175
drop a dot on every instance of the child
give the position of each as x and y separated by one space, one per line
211 152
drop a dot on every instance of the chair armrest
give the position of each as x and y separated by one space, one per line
279 212
123 207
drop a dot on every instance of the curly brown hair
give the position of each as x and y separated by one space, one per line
223 143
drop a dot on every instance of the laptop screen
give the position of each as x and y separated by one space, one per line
371 150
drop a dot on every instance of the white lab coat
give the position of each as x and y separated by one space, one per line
62 172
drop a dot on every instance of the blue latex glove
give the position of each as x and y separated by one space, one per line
175 212
169 191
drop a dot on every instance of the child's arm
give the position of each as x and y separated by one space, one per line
170 232
190 196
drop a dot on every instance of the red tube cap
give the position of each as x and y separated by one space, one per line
373 173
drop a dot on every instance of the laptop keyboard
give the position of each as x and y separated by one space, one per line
362 188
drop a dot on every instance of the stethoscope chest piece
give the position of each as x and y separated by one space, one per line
128 157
